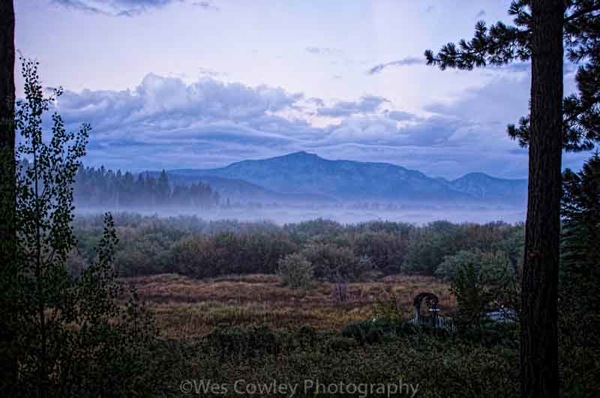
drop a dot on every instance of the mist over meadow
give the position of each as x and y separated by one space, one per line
353 214
301 186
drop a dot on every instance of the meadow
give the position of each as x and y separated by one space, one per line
251 335
186 307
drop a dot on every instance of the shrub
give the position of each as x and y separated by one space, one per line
387 308
340 344
374 330
480 282
386 249
335 263
236 343
142 254
296 271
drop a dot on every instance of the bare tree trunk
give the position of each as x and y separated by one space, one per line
7 116
8 363
539 336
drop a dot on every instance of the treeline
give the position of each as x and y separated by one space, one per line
200 249
106 189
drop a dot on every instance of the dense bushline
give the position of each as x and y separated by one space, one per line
197 248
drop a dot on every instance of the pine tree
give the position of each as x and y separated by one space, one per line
581 234
163 190
540 30
580 272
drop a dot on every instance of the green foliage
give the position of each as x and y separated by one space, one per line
429 245
374 330
142 253
386 250
296 271
579 275
424 254
74 339
44 234
234 343
197 248
472 295
441 367
229 253
335 263
481 282
387 308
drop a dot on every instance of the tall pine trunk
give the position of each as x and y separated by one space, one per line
539 335
8 270
7 116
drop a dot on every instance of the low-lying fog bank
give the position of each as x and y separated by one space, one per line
280 215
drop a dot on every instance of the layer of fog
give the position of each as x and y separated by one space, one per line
279 215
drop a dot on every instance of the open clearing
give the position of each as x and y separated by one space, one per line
186 307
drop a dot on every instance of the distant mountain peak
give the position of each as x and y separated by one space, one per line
479 176
302 155
304 173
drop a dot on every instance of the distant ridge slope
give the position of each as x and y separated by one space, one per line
308 175
483 186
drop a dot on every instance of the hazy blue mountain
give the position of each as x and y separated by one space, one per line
483 186
311 176
238 190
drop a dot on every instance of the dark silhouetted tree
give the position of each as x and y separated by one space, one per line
7 194
163 190
74 337
579 276
541 30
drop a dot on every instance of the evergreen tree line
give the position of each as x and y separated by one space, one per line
99 187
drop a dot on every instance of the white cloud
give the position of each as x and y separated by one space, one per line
165 122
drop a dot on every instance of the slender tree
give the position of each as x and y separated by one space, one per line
540 30
75 339
7 193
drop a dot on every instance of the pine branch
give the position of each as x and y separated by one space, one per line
582 12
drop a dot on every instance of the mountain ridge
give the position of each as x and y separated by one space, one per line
303 173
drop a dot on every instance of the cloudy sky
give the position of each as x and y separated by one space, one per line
197 84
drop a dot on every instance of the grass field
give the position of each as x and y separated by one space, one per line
186 307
